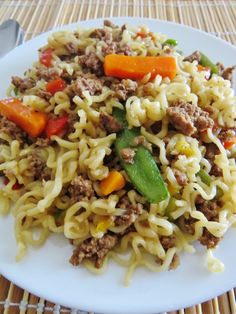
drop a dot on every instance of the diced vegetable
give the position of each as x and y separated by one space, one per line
206 62
205 177
104 224
31 122
183 147
229 144
113 182
57 126
56 85
206 69
46 57
16 186
136 67
144 172
170 42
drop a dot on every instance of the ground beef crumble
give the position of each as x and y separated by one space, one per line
208 239
168 241
109 123
211 151
208 208
13 130
47 74
128 155
23 84
188 118
124 89
38 168
92 63
80 188
227 73
195 56
81 84
181 177
130 214
95 249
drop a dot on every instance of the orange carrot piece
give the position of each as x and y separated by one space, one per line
136 67
229 144
113 182
31 122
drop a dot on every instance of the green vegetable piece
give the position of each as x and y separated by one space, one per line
205 177
143 173
119 115
170 42
206 62
16 91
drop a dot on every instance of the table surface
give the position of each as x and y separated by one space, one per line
36 16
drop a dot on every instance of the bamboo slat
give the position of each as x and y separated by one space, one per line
36 16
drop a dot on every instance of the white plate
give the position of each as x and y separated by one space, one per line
46 272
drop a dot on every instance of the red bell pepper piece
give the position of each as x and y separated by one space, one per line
57 126
46 57
56 85
16 186
229 144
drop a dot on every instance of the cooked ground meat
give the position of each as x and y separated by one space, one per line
71 48
47 74
208 208
22 84
227 73
109 24
102 34
216 171
13 130
42 142
38 168
227 135
220 67
128 155
187 224
195 56
130 214
124 89
93 248
109 123
211 151
81 84
181 177
92 63
80 189
188 118
168 241
117 48
43 94
175 262
208 239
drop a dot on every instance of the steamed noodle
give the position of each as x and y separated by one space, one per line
85 149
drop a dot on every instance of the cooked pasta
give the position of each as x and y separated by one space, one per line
135 164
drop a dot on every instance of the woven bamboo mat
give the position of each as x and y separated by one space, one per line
36 16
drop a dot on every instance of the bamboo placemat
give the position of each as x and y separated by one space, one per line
36 16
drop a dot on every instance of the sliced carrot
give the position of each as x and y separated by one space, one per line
31 122
136 67
113 182
230 144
